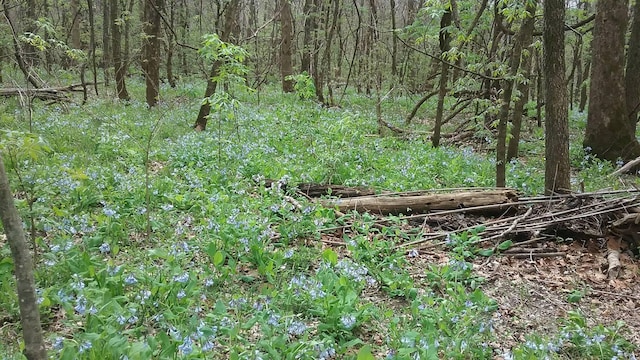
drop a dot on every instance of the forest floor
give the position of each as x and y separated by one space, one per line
236 267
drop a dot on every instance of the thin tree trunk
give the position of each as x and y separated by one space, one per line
394 40
445 45
523 39
106 40
286 43
23 264
584 87
518 109
557 168
118 62
151 50
309 28
92 45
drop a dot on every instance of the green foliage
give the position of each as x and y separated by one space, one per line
235 268
303 85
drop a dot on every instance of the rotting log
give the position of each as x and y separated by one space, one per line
317 190
423 203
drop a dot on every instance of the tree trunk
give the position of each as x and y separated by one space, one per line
230 17
92 45
286 43
309 27
151 50
632 72
394 39
118 63
75 25
170 44
23 264
557 168
445 45
518 108
522 40
609 132
584 87
106 48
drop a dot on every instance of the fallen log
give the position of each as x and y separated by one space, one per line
423 203
50 93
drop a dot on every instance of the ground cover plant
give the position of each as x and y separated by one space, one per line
232 268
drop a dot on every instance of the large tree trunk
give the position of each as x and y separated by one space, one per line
29 311
523 39
632 72
116 45
286 43
230 18
609 133
151 50
557 168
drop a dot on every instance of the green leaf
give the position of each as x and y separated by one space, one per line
485 252
575 296
330 256
365 353
505 245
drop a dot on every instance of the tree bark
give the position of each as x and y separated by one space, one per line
119 64
557 168
609 132
151 50
523 39
29 311
286 43
632 72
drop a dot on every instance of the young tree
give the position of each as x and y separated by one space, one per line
151 50
230 19
609 133
29 311
286 43
557 168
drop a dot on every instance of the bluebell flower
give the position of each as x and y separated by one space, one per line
183 278
296 328
81 305
273 319
186 347
105 248
84 346
58 344
130 280
181 294
208 346
348 321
